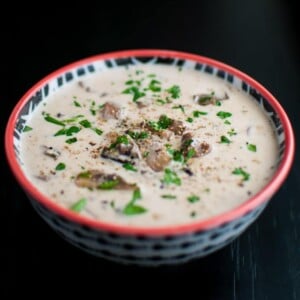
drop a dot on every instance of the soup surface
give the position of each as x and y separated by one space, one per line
149 145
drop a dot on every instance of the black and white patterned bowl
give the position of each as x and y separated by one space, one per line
149 246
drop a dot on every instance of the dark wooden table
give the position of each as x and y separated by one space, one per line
260 37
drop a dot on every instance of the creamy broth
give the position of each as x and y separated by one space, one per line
149 145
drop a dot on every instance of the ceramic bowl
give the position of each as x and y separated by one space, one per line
160 245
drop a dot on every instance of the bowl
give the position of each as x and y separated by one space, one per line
149 245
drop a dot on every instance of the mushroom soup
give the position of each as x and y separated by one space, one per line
149 145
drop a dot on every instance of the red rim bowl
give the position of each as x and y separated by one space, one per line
264 195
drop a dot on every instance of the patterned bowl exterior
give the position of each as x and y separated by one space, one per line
145 249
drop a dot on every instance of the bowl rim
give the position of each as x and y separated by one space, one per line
256 200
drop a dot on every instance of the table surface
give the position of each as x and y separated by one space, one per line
259 37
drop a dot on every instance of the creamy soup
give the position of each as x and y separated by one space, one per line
149 145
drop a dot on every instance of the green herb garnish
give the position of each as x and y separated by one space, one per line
60 167
224 114
163 123
86 174
191 153
135 92
232 132
170 177
52 120
77 104
122 139
138 135
154 85
67 131
240 171
73 120
225 140
197 113
85 123
79 205
190 120
71 140
161 102
174 91
129 167
251 147
193 198
27 128
131 208
181 107
97 130
168 196
108 185
71 130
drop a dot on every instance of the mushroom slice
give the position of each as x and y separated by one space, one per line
177 127
110 111
192 147
51 152
157 159
95 179
206 99
122 150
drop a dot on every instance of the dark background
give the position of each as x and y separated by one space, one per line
259 37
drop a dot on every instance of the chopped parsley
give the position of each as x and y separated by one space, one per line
161 102
71 140
224 114
170 177
79 205
135 92
232 132
76 103
85 123
174 91
86 174
122 139
72 130
177 155
108 185
93 108
181 107
52 120
138 135
146 153
224 140
168 196
190 120
227 122
193 198
97 130
27 128
163 123
240 171
73 119
191 153
251 147
60 167
131 208
197 113
154 85
129 167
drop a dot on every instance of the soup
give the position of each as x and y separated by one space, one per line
149 145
